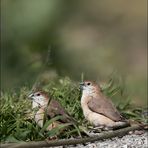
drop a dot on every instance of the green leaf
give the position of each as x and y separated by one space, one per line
129 113
56 130
12 139
49 122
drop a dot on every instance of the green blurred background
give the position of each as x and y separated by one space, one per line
94 37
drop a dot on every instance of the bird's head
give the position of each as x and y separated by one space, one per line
39 98
89 87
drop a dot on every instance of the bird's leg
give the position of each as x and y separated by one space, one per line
107 128
97 129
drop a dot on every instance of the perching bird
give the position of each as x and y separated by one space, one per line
97 108
54 108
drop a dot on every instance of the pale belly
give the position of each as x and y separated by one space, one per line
39 116
97 119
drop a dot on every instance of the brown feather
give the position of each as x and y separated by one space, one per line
100 104
55 109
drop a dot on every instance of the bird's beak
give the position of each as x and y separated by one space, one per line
81 85
31 96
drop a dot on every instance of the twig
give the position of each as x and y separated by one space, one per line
105 135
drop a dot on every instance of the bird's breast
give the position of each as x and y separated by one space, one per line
84 105
35 104
94 118
39 116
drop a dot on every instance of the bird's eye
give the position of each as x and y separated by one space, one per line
88 83
38 94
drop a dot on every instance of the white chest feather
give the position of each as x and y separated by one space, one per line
39 103
35 104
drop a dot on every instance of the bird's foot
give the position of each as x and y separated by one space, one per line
52 138
102 128
97 129
107 128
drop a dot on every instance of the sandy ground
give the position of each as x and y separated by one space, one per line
128 141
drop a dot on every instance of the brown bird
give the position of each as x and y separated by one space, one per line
97 108
54 108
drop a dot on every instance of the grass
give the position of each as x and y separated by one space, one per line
17 123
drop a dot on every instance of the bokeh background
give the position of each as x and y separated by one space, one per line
72 37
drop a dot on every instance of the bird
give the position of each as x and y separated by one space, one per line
98 109
41 101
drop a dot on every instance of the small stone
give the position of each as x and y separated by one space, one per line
124 146
131 132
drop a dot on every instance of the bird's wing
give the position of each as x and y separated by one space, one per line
55 108
105 107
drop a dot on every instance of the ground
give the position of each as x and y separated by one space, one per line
128 141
